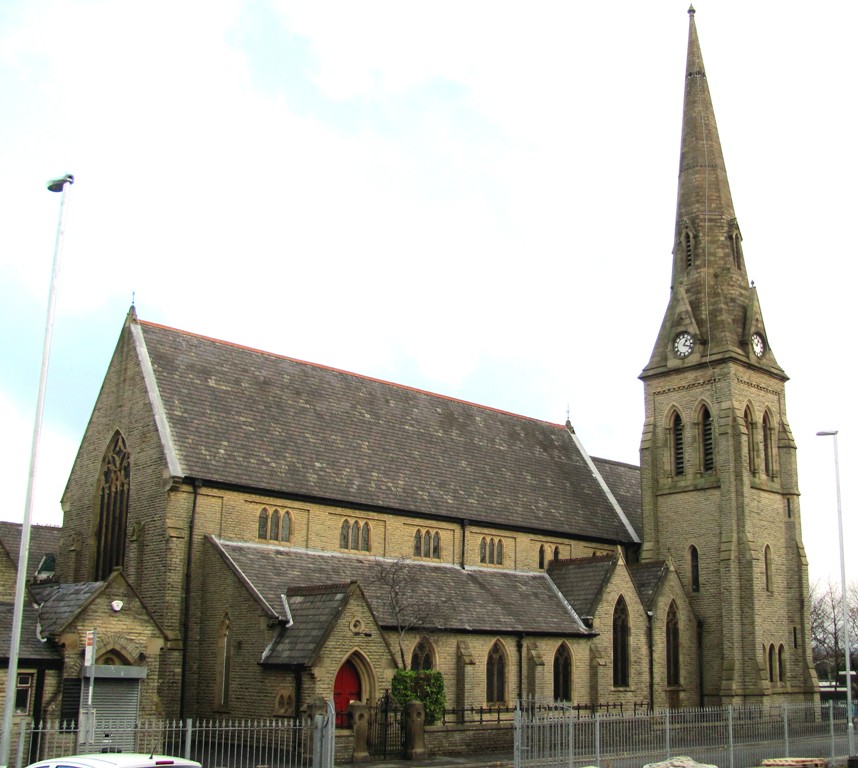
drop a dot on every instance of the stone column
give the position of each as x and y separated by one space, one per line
415 744
360 730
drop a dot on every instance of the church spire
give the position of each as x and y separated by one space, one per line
704 191
706 318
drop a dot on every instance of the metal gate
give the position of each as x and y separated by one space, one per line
386 737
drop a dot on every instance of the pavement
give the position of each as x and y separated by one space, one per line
488 760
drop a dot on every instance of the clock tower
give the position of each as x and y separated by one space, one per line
718 461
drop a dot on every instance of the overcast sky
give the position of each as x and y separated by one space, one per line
474 198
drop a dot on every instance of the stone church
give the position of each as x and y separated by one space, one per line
247 532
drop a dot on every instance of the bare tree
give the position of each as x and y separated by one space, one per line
411 601
826 628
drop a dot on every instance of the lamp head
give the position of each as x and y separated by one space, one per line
827 433
56 185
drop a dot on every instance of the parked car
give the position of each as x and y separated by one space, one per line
116 760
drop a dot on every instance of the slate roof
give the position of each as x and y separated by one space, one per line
60 603
313 611
31 648
473 599
44 541
254 419
624 480
581 580
647 577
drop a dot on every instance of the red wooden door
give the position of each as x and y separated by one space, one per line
346 689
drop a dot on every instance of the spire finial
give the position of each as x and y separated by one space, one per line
691 10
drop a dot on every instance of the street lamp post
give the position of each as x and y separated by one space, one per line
850 727
55 185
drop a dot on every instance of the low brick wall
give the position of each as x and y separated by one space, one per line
469 738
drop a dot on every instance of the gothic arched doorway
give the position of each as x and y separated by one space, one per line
347 688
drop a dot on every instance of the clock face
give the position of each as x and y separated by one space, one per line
683 344
758 344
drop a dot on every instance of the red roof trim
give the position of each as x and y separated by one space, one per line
349 373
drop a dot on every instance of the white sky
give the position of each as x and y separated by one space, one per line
475 198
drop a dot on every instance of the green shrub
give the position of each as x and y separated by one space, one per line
426 686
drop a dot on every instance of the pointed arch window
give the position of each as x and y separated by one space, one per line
491 550
286 526
781 663
621 644
771 663
262 525
223 657
671 638
496 675
707 441
563 674
750 428
114 491
556 553
483 551
421 656
499 556
274 526
355 536
768 466
418 543
541 557
677 445
694 564
436 545
767 564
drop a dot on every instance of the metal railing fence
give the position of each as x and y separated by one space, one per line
302 742
730 737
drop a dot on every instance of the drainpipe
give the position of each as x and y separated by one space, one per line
651 658
700 657
186 619
520 646
464 534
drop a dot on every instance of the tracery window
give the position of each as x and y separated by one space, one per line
707 441
621 644
672 645
421 656
562 673
114 490
355 536
496 675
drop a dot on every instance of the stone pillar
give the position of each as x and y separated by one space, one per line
415 744
360 730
